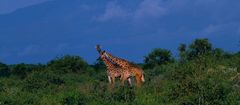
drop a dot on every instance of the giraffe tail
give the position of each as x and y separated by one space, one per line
142 78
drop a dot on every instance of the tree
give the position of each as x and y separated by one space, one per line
183 52
157 57
20 70
4 70
68 63
218 52
99 64
199 47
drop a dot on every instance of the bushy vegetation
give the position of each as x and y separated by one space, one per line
201 75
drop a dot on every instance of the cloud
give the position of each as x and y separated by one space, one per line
149 8
224 29
43 49
145 9
8 6
113 11
212 28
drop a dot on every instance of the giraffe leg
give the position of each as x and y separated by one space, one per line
138 79
110 83
113 82
123 79
129 81
109 80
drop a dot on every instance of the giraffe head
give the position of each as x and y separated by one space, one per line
98 48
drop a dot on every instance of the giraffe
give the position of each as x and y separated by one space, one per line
129 68
113 70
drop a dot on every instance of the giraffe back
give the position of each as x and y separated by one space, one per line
119 61
127 66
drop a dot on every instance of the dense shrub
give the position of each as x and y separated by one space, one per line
2 87
199 47
197 82
99 64
4 70
21 70
68 64
38 81
158 57
74 98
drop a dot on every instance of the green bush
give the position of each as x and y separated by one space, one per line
21 70
73 98
4 70
2 87
158 57
38 81
68 64
198 82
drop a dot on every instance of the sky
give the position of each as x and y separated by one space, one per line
37 31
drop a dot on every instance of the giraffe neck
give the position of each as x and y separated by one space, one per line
108 64
109 59
119 61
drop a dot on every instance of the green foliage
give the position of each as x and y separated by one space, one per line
198 82
4 70
199 47
67 64
21 70
41 80
123 95
218 52
158 57
2 87
73 98
202 75
183 52
99 64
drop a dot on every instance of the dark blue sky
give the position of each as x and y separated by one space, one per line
36 31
